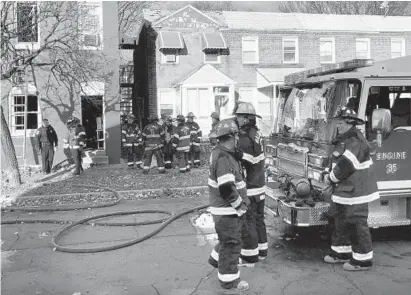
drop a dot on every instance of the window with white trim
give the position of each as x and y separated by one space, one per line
28 33
17 114
290 50
362 48
91 25
212 56
169 56
250 54
397 47
327 50
198 102
166 103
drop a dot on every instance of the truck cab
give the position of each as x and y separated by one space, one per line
301 144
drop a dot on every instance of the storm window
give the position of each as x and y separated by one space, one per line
290 50
250 50
327 50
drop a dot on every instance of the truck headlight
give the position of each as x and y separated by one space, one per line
315 174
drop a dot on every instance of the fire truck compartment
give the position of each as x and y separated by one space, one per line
387 211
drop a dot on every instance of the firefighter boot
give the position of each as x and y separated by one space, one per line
334 260
354 267
245 263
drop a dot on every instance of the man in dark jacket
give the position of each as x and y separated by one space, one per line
355 186
47 143
215 117
132 138
253 161
153 138
195 139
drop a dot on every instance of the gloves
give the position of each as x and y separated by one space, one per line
327 179
56 148
242 210
246 201
327 192
239 154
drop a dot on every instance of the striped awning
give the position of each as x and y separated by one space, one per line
213 41
171 40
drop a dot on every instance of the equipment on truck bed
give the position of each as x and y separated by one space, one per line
299 152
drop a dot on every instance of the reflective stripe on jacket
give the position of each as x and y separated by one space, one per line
226 185
355 181
181 138
76 136
153 136
131 134
253 161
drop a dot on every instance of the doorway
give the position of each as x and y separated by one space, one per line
92 120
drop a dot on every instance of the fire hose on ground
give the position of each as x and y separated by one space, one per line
54 242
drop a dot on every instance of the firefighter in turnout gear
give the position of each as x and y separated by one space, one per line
253 161
195 140
132 139
153 138
181 144
215 117
354 186
168 145
74 142
227 191
47 143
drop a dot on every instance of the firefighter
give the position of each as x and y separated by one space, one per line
74 142
215 117
168 145
133 140
227 193
354 186
47 143
253 161
153 137
168 125
195 140
181 144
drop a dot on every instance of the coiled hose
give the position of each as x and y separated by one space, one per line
54 242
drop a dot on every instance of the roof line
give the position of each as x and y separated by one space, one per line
198 69
181 9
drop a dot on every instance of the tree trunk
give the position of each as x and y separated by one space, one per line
9 152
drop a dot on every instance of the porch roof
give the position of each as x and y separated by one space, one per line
267 76
207 75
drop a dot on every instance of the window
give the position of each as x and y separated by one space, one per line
327 50
170 56
91 25
246 94
211 56
362 48
17 114
166 105
250 50
27 25
290 50
397 47
127 74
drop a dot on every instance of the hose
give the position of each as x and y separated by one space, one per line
54 241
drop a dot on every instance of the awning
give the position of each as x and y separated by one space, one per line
213 41
127 40
171 40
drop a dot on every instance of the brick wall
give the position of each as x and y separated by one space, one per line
270 53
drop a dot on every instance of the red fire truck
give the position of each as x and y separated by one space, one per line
300 146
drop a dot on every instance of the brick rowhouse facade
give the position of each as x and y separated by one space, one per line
170 78
57 102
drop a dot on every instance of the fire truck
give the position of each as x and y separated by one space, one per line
300 146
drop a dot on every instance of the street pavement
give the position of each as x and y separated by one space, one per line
174 262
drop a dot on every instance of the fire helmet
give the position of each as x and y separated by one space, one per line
215 115
246 108
190 115
349 115
226 127
153 118
181 119
131 116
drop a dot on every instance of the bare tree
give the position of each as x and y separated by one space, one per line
347 7
59 59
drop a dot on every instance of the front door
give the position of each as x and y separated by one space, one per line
92 120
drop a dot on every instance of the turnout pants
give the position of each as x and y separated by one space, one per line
195 156
261 229
183 162
225 255
69 156
47 155
249 251
351 238
148 157
134 155
168 159
76 154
